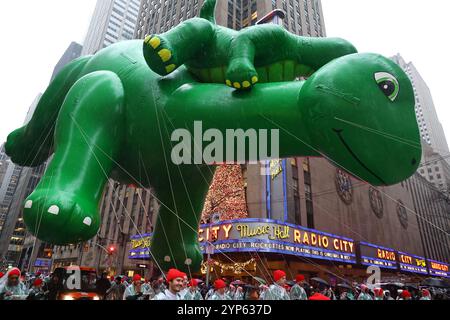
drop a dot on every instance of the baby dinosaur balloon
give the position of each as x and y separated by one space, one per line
110 116
264 53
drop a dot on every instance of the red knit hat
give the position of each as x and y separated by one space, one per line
378 292
37 282
405 294
278 274
137 277
219 284
299 278
174 273
14 272
193 283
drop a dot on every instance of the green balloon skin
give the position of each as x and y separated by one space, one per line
111 116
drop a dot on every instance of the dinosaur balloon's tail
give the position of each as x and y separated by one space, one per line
32 144
208 10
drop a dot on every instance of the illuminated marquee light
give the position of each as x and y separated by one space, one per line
412 263
379 256
237 268
438 268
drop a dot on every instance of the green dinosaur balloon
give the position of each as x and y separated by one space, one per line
111 116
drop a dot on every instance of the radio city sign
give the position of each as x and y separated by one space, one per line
250 235
439 269
412 263
375 255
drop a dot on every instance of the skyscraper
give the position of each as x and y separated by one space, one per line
429 124
303 17
12 227
71 53
112 21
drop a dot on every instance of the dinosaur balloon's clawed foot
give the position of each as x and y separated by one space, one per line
186 257
160 55
59 217
241 74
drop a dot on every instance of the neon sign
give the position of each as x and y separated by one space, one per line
412 263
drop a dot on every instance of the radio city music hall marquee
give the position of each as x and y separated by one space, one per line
262 235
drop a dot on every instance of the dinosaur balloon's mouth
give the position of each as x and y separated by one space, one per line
353 154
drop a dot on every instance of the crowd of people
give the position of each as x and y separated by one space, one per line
175 285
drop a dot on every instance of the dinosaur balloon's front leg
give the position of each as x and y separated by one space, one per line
166 52
175 241
64 207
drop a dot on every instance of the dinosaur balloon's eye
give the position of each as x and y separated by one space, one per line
388 84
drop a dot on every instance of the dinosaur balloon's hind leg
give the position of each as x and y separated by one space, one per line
166 52
89 131
175 241
32 144
268 44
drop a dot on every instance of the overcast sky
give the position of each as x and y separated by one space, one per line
35 34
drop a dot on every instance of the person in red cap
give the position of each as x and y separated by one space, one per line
219 291
185 287
11 287
134 291
405 295
277 291
317 296
193 292
379 293
37 291
175 278
297 291
364 295
426 295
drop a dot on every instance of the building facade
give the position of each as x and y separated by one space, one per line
71 53
303 17
112 21
429 124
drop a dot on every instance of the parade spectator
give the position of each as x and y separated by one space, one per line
387 295
379 294
317 296
134 290
219 292
103 285
175 279
364 295
12 287
185 287
405 295
297 291
239 294
117 290
147 288
193 292
37 291
53 287
426 295
277 291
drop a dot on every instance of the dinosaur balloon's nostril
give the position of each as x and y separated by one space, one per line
414 161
